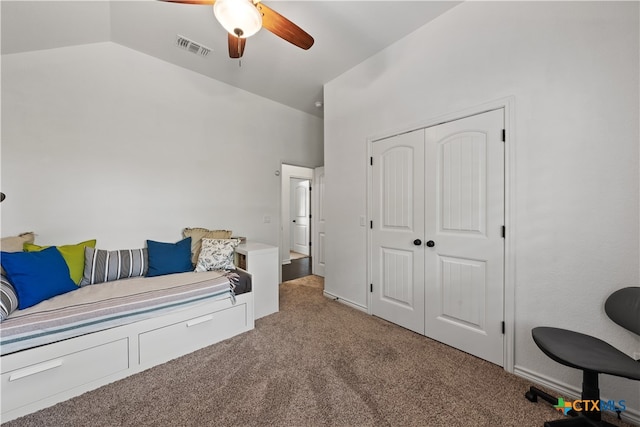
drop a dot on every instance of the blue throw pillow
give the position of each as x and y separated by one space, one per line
37 276
168 258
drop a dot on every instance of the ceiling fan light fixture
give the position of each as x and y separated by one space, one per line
239 17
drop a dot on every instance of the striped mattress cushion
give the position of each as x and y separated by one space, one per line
94 308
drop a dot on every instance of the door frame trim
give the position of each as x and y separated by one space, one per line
315 219
508 104
288 170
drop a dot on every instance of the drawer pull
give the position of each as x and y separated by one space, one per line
32 370
199 320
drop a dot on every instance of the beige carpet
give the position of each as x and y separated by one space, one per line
316 362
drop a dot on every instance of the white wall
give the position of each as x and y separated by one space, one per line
100 141
573 71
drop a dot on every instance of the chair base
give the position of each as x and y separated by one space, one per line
533 394
576 419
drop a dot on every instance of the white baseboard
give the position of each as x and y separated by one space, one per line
344 301
630 415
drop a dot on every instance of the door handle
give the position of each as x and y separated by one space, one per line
417 242
431 243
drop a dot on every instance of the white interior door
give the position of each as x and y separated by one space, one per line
437 251
318 220
464 219
398 220
300 204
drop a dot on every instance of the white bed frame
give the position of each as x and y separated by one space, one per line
36 378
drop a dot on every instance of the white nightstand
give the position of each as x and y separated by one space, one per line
261 261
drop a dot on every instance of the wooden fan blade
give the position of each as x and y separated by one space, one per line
236 46
283 28
207 2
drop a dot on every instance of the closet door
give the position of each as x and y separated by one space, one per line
437 251
398 230
464 216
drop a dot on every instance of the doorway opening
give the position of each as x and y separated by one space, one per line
295 222
302 222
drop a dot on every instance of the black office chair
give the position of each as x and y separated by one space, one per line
591 355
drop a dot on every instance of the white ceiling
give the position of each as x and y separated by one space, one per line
345 33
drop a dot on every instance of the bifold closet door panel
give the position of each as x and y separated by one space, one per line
398 230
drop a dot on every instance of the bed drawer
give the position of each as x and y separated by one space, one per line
192 334
37 381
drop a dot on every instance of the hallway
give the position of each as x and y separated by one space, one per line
298 268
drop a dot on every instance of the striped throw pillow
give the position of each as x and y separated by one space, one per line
8 298
105 266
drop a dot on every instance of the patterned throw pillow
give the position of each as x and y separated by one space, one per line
8 298
197 234
217 254
105 266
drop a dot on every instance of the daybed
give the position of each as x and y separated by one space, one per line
94 335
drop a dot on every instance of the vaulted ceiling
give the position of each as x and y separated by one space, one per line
345 33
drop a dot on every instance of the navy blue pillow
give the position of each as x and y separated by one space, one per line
37 276
168 258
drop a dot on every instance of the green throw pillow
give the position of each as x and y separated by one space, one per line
73 255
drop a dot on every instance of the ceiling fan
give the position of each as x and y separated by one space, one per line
244 18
